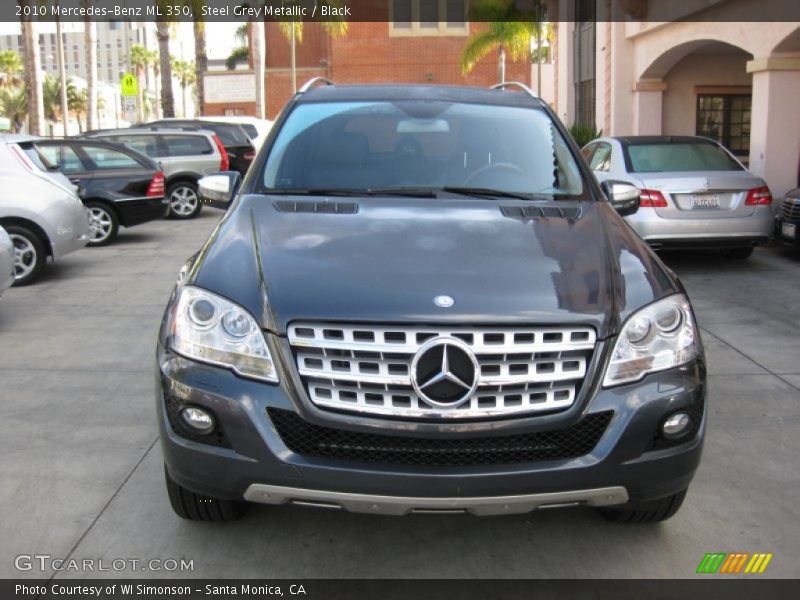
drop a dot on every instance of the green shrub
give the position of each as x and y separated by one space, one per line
583 134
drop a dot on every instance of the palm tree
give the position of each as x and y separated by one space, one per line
139 60
33 66
200 56
185 72
163 33
10 68
78 102
51 98
14 105
259 64
508 30
156 64
90 47
293 32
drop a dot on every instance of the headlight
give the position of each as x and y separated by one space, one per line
211 329
658 337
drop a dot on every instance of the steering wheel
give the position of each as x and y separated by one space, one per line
497 169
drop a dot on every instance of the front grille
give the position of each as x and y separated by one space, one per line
367 368
307 439
790 210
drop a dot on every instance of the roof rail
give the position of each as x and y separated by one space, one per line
312 82
516 84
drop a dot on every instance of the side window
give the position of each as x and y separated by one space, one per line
106 159
63 157
601 159
145 144
587 153
187 145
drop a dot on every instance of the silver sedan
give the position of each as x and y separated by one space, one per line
6 261
694 193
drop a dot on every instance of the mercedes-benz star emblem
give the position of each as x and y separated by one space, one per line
444 301
444 372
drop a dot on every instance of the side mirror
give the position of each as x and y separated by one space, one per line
623 196
218 190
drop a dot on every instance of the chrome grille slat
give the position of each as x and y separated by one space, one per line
365 368
791 209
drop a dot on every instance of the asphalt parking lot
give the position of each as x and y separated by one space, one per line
82 471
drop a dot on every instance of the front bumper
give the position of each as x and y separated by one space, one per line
401 505
717 232
784 239
620 467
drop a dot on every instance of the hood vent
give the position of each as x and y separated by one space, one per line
327 208
536 212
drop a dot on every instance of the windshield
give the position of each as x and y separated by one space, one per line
663 158
421 144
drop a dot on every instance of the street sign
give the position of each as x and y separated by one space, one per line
129 85
128 104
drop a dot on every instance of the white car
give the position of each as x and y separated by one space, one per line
6 261
43 216
694 193
256 129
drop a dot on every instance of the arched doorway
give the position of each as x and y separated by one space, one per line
704 89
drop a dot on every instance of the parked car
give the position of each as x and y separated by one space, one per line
185 156
255 128
788 230
117 185
43 216
694 193
7 258
420 300
235 140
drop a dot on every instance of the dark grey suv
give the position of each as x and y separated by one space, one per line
420 300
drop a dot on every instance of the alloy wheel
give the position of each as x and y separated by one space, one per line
183 201
24 256
100 223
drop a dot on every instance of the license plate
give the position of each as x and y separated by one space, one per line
705 201
789 230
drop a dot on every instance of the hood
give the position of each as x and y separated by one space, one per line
386 259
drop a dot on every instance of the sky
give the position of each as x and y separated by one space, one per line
220 37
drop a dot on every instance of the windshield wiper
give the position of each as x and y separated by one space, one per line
488 193
398 191
311 192
414 192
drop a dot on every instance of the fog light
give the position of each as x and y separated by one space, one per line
198 419
676 425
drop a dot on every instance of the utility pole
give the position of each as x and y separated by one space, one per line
62 74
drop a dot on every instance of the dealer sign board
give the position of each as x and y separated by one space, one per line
230 88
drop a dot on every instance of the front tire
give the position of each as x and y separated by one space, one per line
197 507
184 203
644 512
103 224
29 254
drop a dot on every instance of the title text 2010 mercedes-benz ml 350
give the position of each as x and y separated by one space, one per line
420 300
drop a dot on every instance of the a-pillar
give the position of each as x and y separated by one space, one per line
775 122
648 98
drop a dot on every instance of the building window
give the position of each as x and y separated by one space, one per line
726 119
428 17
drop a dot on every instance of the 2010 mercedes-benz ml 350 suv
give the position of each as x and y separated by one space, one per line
420 300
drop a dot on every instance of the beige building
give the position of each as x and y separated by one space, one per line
719 71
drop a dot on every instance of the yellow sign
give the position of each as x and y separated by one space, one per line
129 84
